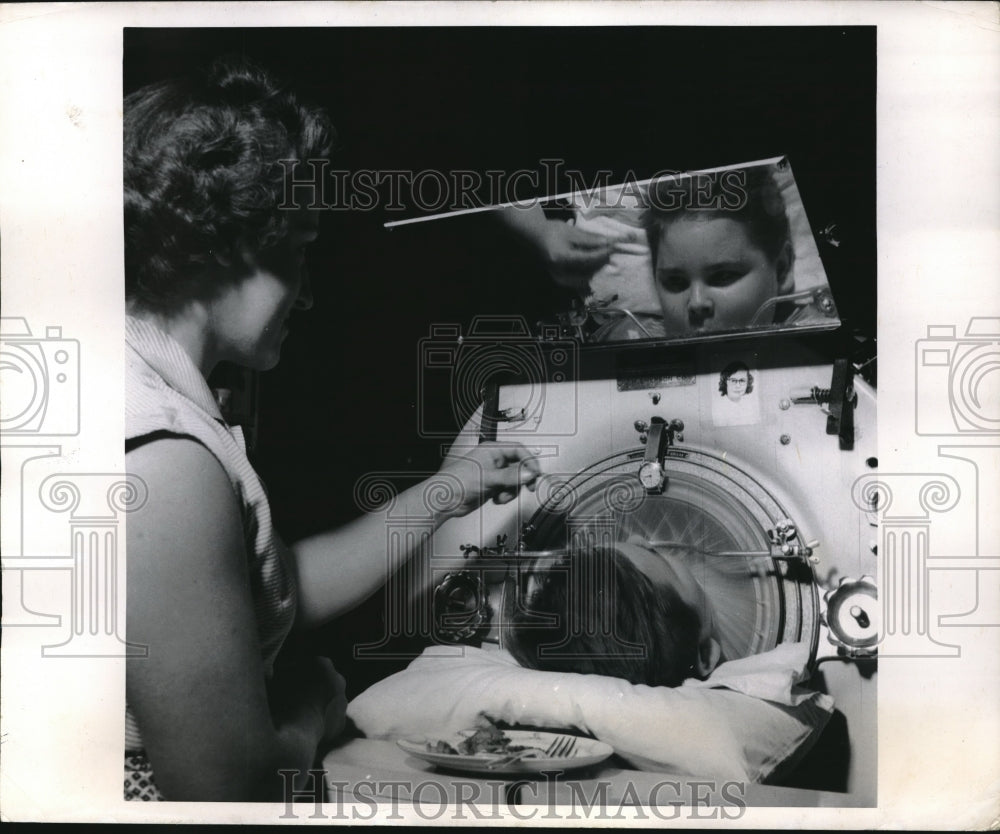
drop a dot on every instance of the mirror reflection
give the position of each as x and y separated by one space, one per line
691 256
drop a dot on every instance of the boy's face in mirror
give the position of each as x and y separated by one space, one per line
710 275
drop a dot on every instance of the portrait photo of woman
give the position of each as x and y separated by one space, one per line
736 403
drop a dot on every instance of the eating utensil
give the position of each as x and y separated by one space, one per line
562 747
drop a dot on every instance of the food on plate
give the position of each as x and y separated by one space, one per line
489 739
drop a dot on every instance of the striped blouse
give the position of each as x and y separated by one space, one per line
166 393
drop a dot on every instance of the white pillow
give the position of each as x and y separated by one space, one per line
697 730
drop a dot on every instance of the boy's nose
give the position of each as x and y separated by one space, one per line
700 305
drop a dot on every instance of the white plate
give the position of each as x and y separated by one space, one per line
587 751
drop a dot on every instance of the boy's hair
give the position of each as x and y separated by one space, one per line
631 629
747 195
203 178
728 371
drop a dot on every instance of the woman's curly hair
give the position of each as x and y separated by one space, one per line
203 175
728 371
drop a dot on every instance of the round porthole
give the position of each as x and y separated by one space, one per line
718 514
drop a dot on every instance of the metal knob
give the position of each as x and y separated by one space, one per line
849 612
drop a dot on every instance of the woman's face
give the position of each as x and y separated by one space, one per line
710 276
736 384
251 319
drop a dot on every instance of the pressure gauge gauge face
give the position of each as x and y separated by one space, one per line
651 475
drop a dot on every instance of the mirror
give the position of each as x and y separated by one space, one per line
700 255
680 257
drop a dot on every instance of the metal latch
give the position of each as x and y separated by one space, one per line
840 399
785 539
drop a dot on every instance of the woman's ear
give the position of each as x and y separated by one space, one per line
709 654
223 256
783 269
235 260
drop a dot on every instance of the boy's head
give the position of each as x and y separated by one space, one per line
721 248
626 612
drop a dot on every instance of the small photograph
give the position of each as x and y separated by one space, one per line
738 397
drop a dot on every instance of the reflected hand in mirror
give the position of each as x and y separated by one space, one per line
571 255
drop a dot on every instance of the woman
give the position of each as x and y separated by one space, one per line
736 404
214 272
735 380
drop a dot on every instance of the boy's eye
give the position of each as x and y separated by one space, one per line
673 281
725 277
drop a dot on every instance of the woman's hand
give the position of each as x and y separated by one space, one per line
340 569
471 476
572 255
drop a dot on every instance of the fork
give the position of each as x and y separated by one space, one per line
560 748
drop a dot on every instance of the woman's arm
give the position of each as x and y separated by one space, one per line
571 255
340 569
200 696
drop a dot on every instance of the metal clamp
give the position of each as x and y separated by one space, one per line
784 538
840 399
498 552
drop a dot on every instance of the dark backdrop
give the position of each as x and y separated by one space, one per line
344 400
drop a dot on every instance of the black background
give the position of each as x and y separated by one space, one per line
633 100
